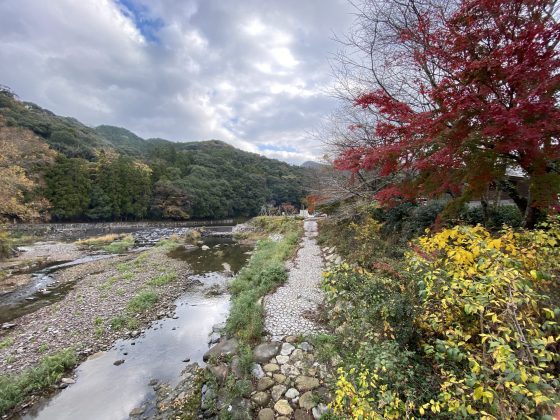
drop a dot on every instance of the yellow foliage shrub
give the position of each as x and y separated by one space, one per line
488 322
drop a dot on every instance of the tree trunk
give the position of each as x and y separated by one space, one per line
520 202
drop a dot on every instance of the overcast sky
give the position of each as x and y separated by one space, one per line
254 73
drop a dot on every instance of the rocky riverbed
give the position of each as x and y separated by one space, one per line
102 291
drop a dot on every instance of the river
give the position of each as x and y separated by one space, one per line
105 390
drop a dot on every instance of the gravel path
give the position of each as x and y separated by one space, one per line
289 310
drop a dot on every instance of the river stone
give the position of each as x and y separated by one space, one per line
306 383
236 367
278 377
283 408
266 414
265 383
205 247
287 349
297 355
302 415
266 351
261 398
214 338
282 359
306 401
137 411
290 339
220 372
290 370
277 392
223 348
257 371
271 367
305 346
68 381
292 393
319 411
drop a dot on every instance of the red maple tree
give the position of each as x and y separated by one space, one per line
485 102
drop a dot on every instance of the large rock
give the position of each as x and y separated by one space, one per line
283 408
223 348
306 383
266 351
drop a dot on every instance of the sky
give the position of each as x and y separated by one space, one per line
254 73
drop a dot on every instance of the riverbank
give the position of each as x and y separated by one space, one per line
111 298
268 368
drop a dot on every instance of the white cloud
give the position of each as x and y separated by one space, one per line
248 72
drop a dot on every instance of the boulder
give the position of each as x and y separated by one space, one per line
266 351
221 349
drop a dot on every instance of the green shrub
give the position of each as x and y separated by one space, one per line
497 217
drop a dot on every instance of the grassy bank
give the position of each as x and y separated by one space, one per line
457 324
279 237
15 388
277 241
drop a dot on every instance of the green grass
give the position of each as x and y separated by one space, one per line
168 244
163 279
264 272
119 246
123 321
6 342
142 301
15 388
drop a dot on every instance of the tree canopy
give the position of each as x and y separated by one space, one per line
464 93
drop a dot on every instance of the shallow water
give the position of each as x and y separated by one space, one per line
105 391
41 291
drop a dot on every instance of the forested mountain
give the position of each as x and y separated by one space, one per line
109 173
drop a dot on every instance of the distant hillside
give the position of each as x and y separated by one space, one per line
110 173
313 165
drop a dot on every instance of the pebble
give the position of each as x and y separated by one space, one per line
118 362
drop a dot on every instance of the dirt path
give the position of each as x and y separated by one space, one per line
290 310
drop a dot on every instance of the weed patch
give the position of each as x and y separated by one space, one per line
15 388
142 301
